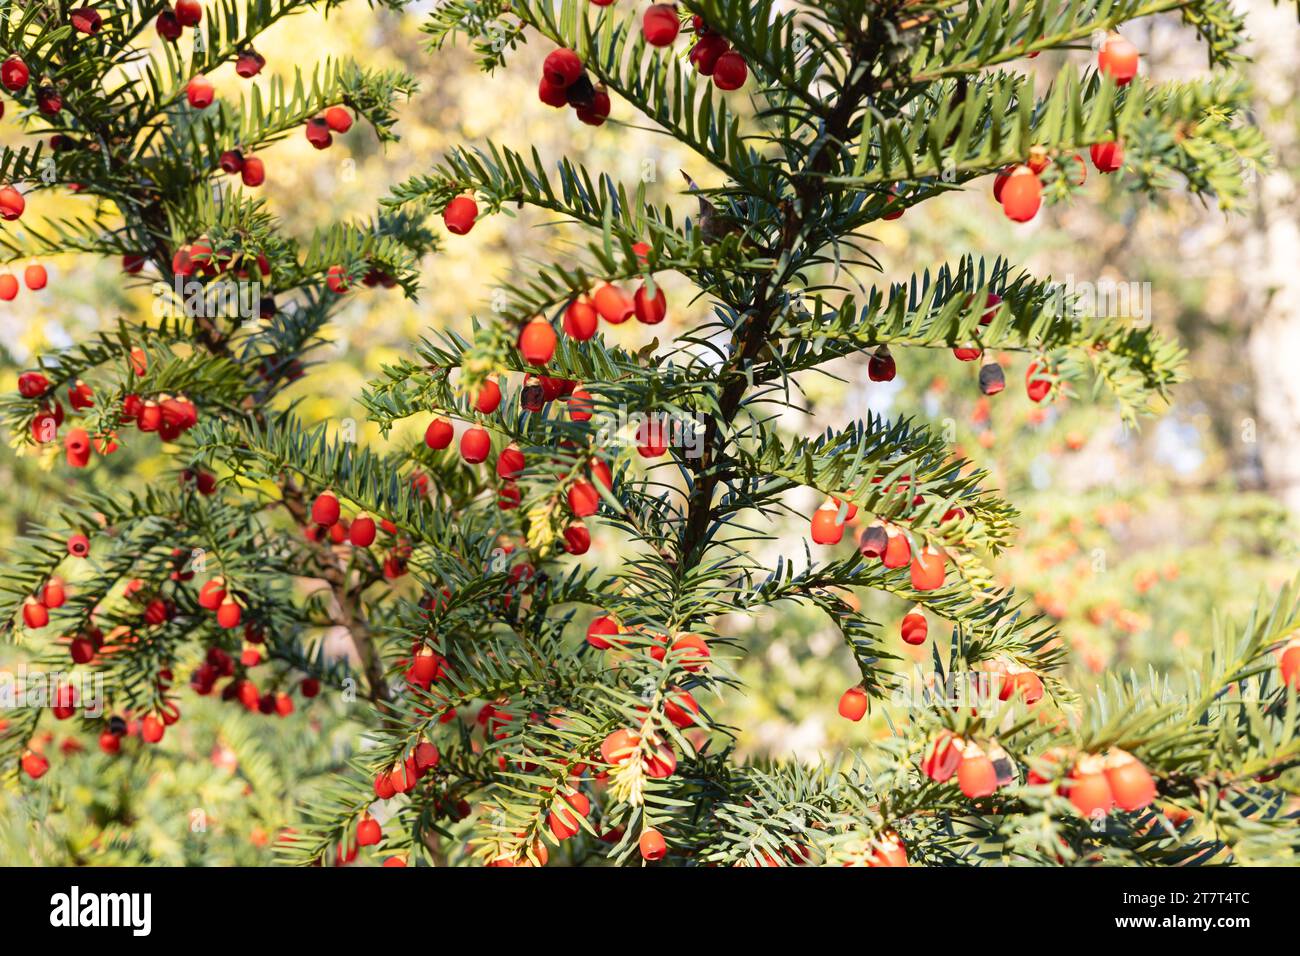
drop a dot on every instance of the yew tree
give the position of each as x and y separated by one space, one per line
535 696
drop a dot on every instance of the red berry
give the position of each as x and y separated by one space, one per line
550 94
943 758
369 832
510 463
691 651
489 397
253 172
86 20
914 628
310 687
199 92
827 528
537 342
12 205
1288 663
887 850
249 63
318 133
1118 58
35 614
338 119
35 276
460 214
881 367
336 278
928 569
152 729
1130 782
325 509
32 384
475 445
212 593
426 756
78 545
577 539
562 68
1088 788
1107 157
362 531
619 747
82 650
14 74
898 550
189 12
580 405
650 311
660 24
168 25
652 845
613 304
596 112
34 765
853 703
584 499
580 319
1022 195
682 709
1021 681
1038 381
439 433
110 742
975 774
652 437
730 71
231 161
229 614
601 628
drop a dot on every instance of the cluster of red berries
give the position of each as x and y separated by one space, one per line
167 415
405 773
328 524
886 540
170 22
1097 784
36 609
1019 189
979 770
199 258
712 56
1040 378
615 306
1094 784
15 75
228 607
321 129
565 83
34 275
250 169
691 651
